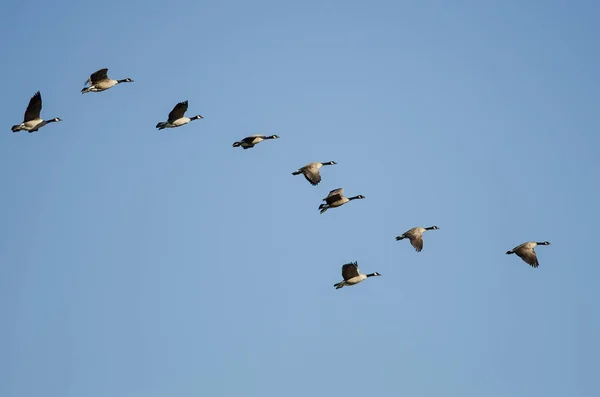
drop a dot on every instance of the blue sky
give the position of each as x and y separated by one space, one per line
138 263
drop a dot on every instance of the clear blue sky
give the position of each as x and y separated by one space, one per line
140 263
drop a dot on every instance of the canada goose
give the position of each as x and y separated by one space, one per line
176 118
311 171
352 276
415 235
99 81
32 121
252 140
526 252
336 198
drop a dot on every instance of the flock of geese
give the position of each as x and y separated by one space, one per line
99 81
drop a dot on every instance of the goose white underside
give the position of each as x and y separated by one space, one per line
356 279
103 86
352 281
181 121
29 125
175 124
93 89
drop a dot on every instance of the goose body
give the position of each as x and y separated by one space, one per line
352 275
99 81
526 252
336 198
252 140
32 121
415 235
177 118
311 171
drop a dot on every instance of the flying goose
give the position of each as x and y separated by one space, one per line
32 121
352 276
99 81
415 235
176 118
252 140
336 198
311 171
526 252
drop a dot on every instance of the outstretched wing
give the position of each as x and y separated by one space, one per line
178 111
312 175
416 241
334 195
34 108
350 270
528 255
98 76
252 138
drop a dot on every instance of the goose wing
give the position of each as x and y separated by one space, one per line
312 174
178 111
350 270
415 235
252 138
34 108
334 195
98 76
527 254
416 241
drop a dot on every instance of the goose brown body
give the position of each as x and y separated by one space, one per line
311 171
336 198
415 236
32 121
526 252
253 140
352 276
99 81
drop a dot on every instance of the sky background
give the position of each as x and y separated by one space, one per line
145 263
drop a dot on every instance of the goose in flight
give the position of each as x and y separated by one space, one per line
252 140
177 118
526 252
311 171
352 275
99 81
32 120
336 198
415 235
